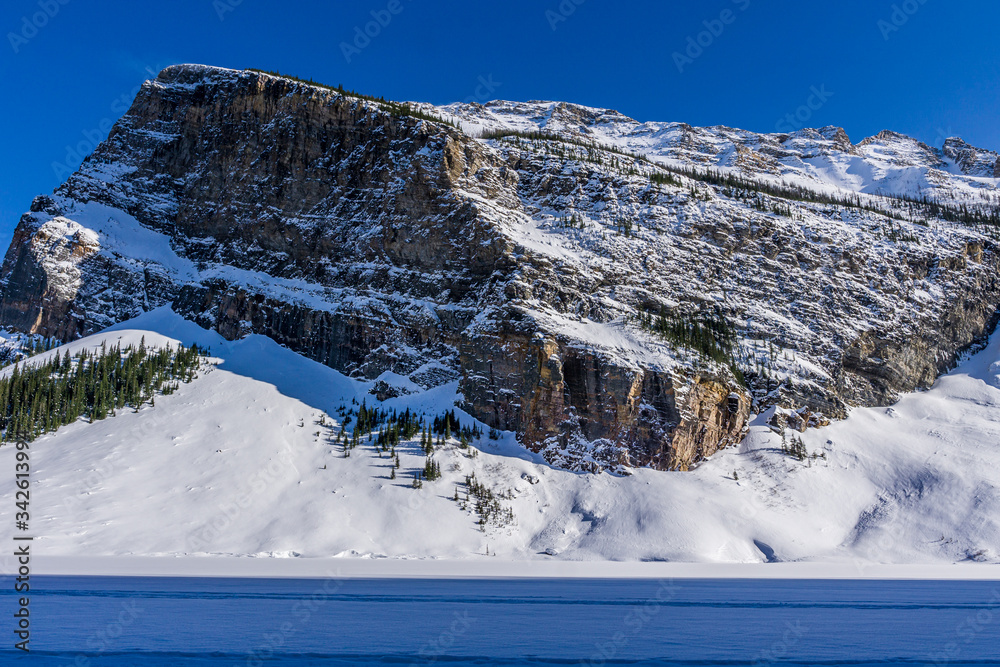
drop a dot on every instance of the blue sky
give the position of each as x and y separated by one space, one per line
927 68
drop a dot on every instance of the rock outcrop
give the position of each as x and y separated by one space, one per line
372 239
971 160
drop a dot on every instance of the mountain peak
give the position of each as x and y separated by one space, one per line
971 160
888 137
188 70
838 135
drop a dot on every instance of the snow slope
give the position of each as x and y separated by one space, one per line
236 463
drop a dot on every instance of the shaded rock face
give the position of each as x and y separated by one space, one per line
971 160
348 341
373 242
30 301
877 363
58 283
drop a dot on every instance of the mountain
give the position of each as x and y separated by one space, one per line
244 461
618 294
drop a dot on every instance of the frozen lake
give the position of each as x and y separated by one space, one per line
217 621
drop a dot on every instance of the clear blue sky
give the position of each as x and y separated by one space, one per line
927 68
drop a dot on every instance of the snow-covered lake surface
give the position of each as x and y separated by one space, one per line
237 621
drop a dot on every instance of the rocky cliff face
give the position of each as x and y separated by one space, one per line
525 268
971 160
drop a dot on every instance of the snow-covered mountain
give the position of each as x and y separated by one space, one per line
821 159
244 461
618 294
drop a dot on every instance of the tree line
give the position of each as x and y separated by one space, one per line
396 109
38 398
